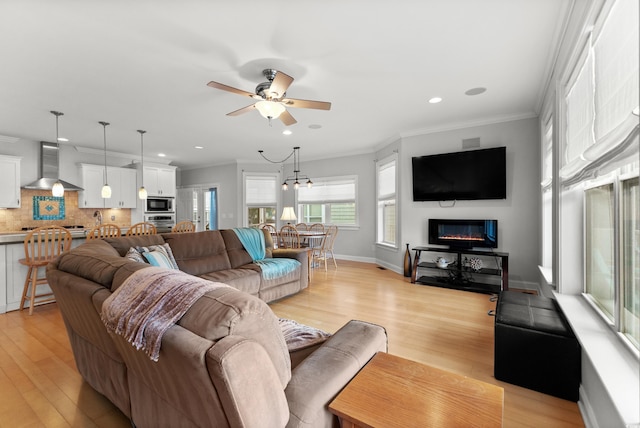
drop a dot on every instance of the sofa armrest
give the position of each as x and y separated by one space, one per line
317 380
247 383
299 254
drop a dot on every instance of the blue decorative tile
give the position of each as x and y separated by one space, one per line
48 208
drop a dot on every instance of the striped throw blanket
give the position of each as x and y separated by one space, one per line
149 302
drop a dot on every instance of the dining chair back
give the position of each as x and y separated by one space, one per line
107 230
143 228
326 251
302 226
41 246
185 226
289 237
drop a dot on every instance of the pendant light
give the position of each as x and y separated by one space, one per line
142 192
58 188
106 189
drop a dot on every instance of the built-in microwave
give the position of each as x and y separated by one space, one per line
160 205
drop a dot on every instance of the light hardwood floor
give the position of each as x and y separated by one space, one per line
448 329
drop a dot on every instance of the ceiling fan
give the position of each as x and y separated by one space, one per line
271 98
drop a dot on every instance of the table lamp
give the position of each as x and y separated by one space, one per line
288 214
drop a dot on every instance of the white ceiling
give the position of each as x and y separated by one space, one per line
145 65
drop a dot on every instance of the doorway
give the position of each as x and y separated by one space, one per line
200 205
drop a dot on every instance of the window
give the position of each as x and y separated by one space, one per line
386 200
260 199
630 210
331 201
600 154
599 247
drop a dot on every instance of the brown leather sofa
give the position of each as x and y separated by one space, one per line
225 363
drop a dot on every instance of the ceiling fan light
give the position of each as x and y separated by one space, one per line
270 109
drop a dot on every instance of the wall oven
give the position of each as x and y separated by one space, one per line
163 222
160 205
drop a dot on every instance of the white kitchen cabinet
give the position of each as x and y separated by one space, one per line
160 181
15 273
121 180
124 191
92 180
9 181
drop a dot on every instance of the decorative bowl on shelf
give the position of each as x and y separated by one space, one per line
475 263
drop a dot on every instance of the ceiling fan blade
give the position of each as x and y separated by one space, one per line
231 89
280 85
242 110
286 118
318 105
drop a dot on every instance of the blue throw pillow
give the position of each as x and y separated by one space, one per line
158 258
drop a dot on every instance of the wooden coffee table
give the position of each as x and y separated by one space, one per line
391 391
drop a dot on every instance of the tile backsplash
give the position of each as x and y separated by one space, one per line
14 219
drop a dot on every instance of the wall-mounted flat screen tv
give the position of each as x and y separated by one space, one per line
468 175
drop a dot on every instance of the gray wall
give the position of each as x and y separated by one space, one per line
518 216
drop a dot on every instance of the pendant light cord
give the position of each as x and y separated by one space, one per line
104 129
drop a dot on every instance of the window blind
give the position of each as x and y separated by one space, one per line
260 190
328 190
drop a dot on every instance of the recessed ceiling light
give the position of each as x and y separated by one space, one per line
435 100
161 155
287 132
198 147
315 126
63 139
476 91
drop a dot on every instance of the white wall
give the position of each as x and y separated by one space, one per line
518 216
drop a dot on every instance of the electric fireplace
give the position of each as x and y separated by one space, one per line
464 233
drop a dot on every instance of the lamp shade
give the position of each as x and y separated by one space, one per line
269 109
288 214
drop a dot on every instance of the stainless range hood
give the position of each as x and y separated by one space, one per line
49 170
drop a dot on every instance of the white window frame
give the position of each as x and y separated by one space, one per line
326 216
274 203
382 200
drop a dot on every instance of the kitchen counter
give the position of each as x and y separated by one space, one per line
15 237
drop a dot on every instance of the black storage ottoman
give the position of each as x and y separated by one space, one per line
535 347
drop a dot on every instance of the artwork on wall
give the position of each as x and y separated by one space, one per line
48 208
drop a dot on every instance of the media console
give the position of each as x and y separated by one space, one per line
459 276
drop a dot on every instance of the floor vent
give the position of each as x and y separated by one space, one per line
382 268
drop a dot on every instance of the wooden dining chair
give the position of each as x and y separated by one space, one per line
289 237
41 246
184 227
325 252
302 226
143 228
107 230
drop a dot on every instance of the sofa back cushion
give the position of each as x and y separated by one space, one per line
200 252
229 312
123 243
238 256
94 260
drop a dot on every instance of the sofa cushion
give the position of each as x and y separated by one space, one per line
238 256
227 311
94 260
123 243
199 253
247 280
